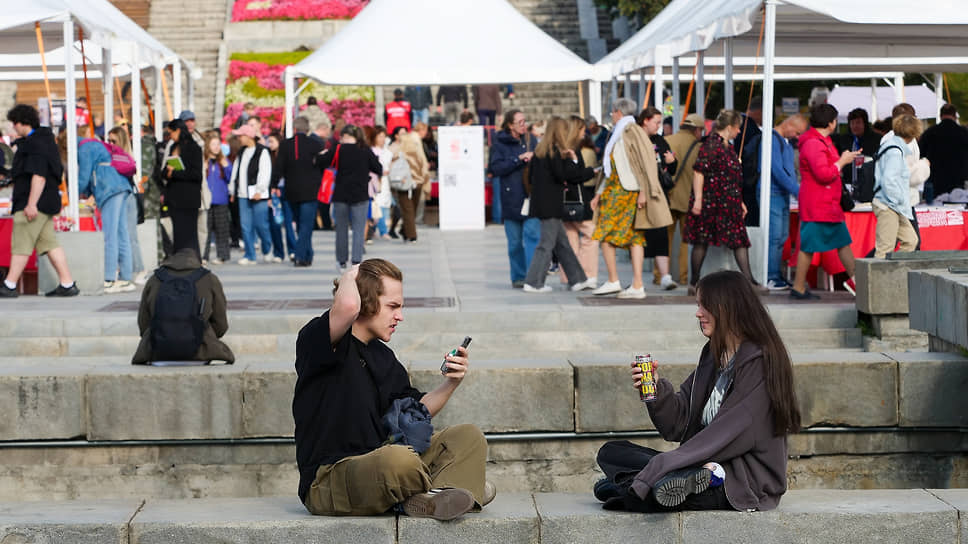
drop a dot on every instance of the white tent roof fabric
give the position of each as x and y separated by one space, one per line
845 99
103 24
471 43
862 35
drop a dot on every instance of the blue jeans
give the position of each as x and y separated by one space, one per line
137 261
345 216
381 223
254 217
305 216
496 199
421 116
275 232
287 219
523 238
117 246
779 232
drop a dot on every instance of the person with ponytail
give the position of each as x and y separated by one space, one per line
731 417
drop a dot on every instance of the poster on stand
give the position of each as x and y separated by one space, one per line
461 177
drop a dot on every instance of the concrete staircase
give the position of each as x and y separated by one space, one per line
194 31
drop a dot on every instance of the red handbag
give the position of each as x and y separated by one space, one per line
329 180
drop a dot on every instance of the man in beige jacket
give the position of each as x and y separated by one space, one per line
685 146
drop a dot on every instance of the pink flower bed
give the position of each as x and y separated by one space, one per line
354 112
268 75
296 9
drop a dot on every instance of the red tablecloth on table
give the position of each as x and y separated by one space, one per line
941 229
6 232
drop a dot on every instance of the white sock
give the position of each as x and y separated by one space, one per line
9 285
67 285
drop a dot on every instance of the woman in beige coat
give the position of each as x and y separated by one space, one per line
410 148
630 203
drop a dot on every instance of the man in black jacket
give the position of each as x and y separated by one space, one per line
451 96
36 173
296 166
945 146
348 380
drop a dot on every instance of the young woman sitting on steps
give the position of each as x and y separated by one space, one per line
731 416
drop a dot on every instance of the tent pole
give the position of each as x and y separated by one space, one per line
176 83
728 94
107 78
642 85
874 114
657 101
135 120
595 99
700 84
191 92
581 100
939 94
159 118
613 94
289 81
627 88
675 95
898 88
71 119
766 153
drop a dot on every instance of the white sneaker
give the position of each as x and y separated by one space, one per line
215 261
543 289
277 260
631 292
120 286
141 278
608 288
246 262
267 258
582 285
667 283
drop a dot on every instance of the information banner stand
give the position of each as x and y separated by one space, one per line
461 177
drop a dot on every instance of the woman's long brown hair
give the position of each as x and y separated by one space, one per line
738 313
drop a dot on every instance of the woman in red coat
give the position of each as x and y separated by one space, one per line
822 226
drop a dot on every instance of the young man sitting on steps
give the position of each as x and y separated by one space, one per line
348 379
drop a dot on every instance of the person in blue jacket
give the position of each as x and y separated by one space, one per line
510 153
97 177
783 183
892 189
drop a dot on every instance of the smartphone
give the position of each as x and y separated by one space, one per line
464 344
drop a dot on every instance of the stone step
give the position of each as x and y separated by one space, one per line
110 400
817 516
406 344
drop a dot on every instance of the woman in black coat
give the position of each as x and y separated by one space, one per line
554 169
183 188
351 197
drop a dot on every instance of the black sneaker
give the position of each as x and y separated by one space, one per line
606 489
61 291
393 235
6 292
673 488
805 295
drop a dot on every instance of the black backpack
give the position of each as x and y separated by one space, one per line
863 190
177 325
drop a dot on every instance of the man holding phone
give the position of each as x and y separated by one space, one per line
348 379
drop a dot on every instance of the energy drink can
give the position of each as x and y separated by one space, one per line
647 387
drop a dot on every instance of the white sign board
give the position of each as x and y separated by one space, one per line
461 177
791 106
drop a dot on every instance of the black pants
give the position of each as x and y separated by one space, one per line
219 224
621 460
184 223
235 226
324 216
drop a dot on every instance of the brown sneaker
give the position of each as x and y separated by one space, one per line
490 491
440 504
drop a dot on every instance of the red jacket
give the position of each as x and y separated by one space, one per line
397 114
820 185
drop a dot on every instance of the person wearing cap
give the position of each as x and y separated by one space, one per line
188 116
249 185
182 192
398 113
684 145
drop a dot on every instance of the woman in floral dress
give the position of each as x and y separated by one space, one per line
716 205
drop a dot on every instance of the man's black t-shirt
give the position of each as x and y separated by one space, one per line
37 154
342 392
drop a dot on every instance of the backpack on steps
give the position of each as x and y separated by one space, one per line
177 326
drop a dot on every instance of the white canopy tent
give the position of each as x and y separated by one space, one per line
474 41
846 99
110 39
931 35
